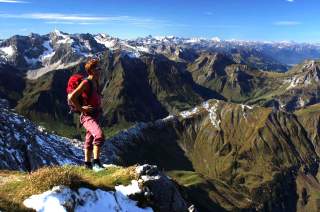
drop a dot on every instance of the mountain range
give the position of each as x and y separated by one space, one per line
58 49
232 122
148 78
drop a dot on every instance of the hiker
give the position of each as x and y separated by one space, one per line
90 110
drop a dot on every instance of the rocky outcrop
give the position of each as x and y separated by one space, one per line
159 190
151 191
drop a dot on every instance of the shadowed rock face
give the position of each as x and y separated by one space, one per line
12 83
46 97
255 152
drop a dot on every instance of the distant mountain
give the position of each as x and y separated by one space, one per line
147 78
39 54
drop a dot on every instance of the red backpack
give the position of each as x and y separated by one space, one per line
73 82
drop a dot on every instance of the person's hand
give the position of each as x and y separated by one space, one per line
87 109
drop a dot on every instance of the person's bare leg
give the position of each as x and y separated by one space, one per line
87 155
96 152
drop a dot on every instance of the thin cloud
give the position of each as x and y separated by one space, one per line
70 22
63 17
290 0
286 23
81 19
59 18
13 1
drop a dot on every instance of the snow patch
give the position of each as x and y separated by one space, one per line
41 128
63 199
212 109
66 39
301 102
215 39
189 113
9 50
133 188
46 55
168 118
246 107
106 40
34 74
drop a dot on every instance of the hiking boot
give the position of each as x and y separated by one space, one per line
97 165
88 165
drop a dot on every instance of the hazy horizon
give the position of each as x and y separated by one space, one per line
264 21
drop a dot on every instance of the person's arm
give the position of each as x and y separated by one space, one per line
73 97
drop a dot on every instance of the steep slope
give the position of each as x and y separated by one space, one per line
27 147
127 94
133 89
250 152
45 98
147 88
309 117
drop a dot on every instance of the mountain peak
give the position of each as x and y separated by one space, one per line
216 39
59 33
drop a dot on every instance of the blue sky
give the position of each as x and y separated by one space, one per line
273 20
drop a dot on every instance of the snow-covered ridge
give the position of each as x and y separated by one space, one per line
211 107
45 50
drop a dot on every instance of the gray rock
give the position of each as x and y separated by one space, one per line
160 190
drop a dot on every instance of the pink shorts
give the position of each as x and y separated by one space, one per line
94 133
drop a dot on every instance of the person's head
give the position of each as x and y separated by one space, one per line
91 67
